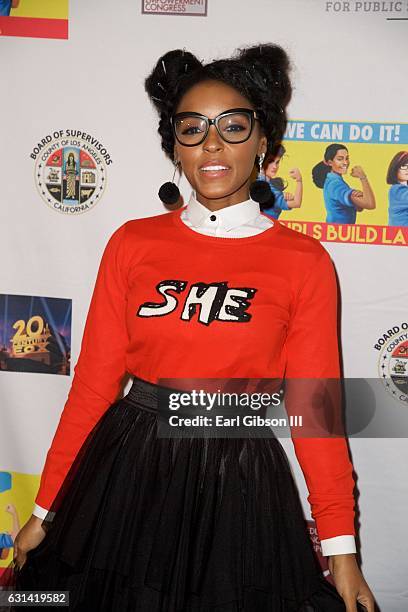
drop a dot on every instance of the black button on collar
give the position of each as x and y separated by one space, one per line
213 218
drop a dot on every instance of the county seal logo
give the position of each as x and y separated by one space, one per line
393 361
70 170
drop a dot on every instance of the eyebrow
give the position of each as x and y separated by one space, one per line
227 110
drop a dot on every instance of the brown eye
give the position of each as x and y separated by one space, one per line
189 129
235 127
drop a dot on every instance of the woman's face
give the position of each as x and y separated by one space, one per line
273 167
340 162
402 174
216 190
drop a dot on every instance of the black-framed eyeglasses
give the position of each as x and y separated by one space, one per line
234 126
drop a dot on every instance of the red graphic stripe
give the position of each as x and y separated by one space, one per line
353 233
34 27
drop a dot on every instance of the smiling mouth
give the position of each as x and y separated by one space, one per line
214 171
214 167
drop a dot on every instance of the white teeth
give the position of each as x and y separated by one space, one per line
213 168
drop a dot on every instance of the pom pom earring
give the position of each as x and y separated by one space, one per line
259 190
169 193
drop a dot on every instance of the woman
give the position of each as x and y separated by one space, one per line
341 201
71 172
148 521
283 199
397 177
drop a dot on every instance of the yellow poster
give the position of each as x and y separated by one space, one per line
45 19
342 182
17 493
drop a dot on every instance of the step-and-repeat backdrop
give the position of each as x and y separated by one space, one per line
80 154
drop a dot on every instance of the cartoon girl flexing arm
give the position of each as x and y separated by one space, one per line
342 202
397 177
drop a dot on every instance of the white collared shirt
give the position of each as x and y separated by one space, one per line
237 221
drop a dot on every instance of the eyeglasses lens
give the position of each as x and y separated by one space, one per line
234 128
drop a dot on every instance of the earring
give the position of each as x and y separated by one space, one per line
261 159
260 190
169 193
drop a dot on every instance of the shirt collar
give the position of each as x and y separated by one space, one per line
229 217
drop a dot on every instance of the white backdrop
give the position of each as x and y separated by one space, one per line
347 66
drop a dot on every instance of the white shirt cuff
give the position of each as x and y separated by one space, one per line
339 545
42 512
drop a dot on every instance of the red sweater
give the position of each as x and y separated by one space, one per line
270 310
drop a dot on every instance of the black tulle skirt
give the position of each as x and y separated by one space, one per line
151 523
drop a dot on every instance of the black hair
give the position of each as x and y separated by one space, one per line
397 161
278 151
278 183
321 170
260 73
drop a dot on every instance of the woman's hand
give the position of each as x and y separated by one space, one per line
358 172
296 174
350 582
288 197
29 536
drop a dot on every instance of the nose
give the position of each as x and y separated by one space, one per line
213 141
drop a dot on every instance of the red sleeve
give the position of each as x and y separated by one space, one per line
312 361
99 369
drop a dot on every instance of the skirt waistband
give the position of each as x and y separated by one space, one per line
165 401
160 399
166 405
146 394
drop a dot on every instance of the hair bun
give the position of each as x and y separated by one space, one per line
269 65
162 83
